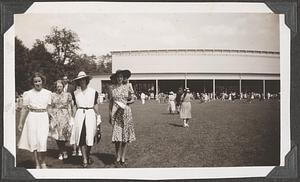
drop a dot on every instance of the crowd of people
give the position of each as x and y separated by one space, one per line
71 114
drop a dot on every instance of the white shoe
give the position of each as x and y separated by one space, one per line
65 155
60 157
79 153
44 166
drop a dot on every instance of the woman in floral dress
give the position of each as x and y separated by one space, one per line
60 123
121 116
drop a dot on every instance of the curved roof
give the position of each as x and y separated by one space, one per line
197 61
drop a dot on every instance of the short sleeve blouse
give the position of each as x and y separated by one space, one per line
37 99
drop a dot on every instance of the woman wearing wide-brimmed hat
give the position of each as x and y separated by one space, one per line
87 116
121 115
186 107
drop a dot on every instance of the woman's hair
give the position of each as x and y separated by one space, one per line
57 82
38 74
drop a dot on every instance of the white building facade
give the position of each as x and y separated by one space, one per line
202 70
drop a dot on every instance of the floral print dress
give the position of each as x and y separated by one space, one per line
123 127
60 128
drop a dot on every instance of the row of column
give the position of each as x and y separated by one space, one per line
214 86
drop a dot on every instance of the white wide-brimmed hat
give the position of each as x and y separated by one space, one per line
82 75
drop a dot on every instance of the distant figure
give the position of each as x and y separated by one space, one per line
178 99
68 87
143 97
186 107
151 95
172 106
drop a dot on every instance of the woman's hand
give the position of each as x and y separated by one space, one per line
98 119
72 121
20 127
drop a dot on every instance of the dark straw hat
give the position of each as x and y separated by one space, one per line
126 73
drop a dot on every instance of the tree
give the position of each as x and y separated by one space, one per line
41 61
22 64
105 64
65 43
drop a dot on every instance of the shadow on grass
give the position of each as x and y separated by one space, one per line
28 164
171 114
176 125
107 159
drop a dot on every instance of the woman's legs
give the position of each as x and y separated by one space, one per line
62 149
43 159
118 151
187 122
88 153
123 151
74 153
184 122
83 149
36 159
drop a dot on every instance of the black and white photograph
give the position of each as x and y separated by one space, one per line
176 90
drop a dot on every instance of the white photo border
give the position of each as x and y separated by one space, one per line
149 173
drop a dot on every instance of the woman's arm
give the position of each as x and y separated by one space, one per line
23 115
130 94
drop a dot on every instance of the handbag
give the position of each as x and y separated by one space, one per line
98 135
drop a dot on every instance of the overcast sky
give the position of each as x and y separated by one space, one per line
101 33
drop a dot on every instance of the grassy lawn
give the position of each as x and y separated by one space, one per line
221 134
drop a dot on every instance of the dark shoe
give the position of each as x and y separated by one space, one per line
90 161
84 164
123 164
117 163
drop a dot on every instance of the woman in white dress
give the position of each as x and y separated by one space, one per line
36 126
87 117
171 105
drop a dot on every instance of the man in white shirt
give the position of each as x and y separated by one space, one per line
68 87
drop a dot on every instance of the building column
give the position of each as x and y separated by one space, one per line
156 87
264 89
214 89
185 81
240 84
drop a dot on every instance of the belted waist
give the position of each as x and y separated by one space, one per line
60 107
37 110
85 108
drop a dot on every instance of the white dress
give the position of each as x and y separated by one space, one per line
172 106
36 127
84 99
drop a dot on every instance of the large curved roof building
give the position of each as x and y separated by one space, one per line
202 70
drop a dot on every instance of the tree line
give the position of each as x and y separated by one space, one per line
55 56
